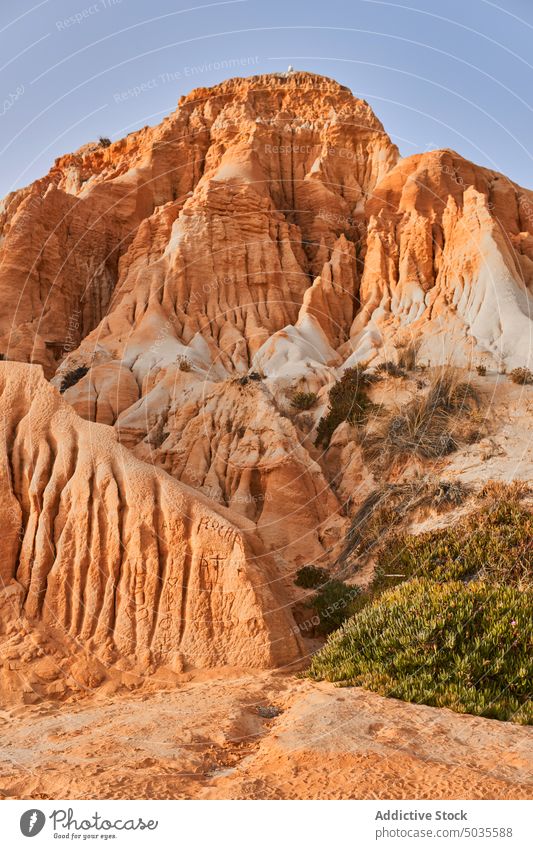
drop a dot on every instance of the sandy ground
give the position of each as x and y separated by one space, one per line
325 743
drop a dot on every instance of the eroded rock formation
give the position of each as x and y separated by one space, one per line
115 554
180 286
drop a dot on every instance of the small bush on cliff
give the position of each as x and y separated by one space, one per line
72 377
448 645
334 600
103 141
311 577
521 376
348 402
304 400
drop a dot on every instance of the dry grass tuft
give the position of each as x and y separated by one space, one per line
391 369
407 354
428 426
497 491
388 506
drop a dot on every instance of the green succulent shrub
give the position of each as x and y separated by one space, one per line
495 543
465 647
447 619
334 602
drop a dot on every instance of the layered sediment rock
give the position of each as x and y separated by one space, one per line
114 553
449 260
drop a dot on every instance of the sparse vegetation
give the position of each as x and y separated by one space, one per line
391 504
428 426
481 370
184 363
407 353
447 620
495 544
103 141
71 378
310 577
334 600
334 603
304 400
448 645
391 369
348 402
522 376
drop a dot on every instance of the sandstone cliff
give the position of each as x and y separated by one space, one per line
179 286
116 555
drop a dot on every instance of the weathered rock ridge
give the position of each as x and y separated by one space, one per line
275 204
119 557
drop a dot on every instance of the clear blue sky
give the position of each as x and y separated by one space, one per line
454 74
